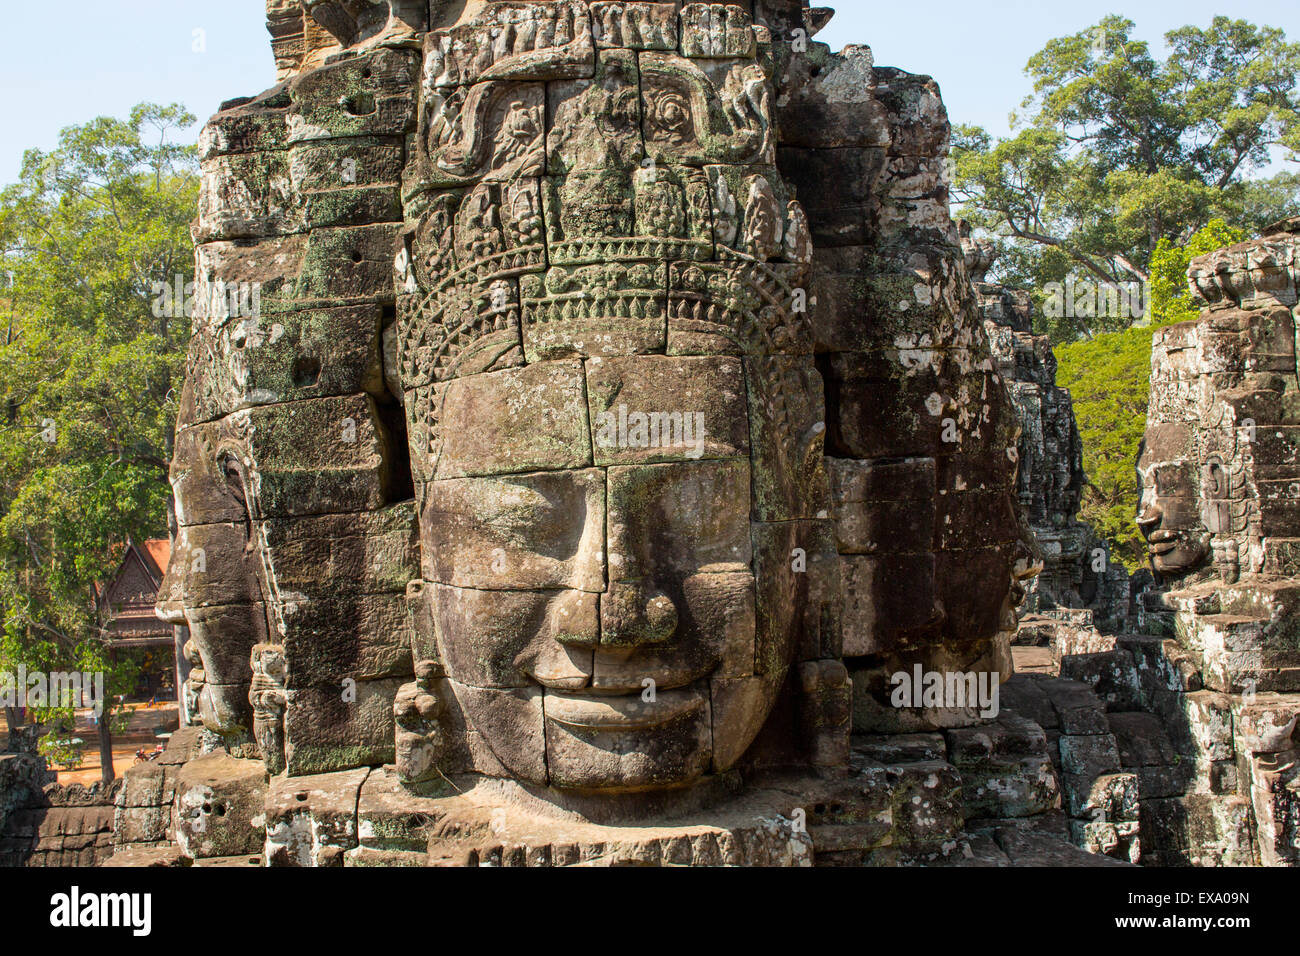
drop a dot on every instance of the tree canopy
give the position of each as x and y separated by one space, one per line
1118 151
87 370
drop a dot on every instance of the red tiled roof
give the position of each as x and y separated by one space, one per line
159 551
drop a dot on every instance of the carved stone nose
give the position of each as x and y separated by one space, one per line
170 604
573 624
633 613
170 612
1150 518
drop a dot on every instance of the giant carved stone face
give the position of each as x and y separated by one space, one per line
1171 516
1201 454
615 423
215 580
1171 509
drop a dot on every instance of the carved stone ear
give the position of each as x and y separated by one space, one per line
233 473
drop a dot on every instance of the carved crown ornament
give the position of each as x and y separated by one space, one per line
559 194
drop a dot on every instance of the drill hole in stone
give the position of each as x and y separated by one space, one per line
361 104
306 371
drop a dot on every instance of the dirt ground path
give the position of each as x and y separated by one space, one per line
145 724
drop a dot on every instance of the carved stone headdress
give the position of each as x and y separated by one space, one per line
567 200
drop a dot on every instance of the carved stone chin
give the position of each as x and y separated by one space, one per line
1175 555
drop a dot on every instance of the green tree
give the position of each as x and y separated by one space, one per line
1120 150
1171 295
87 372
1109 378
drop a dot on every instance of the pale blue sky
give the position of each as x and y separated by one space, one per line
67 63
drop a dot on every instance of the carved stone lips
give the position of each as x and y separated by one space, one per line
1162 542
623 713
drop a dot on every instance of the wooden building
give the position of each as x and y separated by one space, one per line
127 621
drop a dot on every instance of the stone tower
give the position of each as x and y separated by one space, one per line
588 418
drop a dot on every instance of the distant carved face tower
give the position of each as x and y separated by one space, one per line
608 381
1219 460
